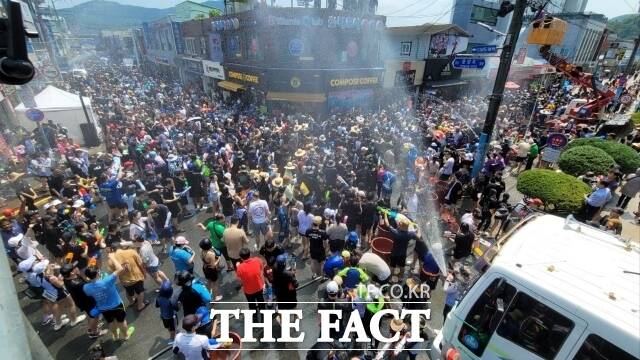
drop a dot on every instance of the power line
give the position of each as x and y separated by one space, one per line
404 8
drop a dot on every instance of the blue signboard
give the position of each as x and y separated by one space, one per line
215 43
34 115
484 49
296 46
468 63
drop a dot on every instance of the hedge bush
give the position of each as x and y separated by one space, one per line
624 155
562 191
580 159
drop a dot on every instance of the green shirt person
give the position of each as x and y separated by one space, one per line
215 228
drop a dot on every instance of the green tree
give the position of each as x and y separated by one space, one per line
581 159
557 190
624 155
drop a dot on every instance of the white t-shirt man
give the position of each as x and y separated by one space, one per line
374 265
191 345
259 211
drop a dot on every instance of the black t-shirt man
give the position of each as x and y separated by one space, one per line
317 240
401 240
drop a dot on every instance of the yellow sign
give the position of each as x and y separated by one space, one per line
295 82
371 80
244 77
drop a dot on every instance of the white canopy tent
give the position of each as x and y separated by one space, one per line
62 108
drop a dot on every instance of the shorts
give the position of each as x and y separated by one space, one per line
118 314
366 227
261 228
521 159
165 233
61 295
398 261
135 288
210 274
169 324
234 262
223 251
318 256
152 269
122 205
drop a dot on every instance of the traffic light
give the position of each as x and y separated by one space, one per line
505 8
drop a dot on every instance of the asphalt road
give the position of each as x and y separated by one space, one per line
150 338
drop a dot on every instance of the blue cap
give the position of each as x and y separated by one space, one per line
281 259
166 290
353 237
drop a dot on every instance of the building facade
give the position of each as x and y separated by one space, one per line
419 57
467 13
318 60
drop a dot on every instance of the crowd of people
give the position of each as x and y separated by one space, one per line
268 193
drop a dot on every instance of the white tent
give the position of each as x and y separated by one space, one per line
63 108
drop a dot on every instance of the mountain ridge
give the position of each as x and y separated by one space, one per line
91 17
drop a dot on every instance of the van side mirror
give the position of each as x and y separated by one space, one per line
15 66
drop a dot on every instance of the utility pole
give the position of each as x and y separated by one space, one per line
495 99
629 69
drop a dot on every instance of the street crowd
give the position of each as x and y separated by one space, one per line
269 192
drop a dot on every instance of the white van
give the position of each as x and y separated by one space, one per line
80 73
549 289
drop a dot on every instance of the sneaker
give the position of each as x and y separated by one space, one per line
156 242
79 319
47 320
62 323
217 298
97 334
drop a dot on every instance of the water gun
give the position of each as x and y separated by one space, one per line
394 215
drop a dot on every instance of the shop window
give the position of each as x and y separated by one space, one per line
485 316
405 48
190 46
597 348
534 326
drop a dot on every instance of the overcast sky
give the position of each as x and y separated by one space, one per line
404 12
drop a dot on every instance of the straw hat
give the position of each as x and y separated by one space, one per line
305 126
264 174
297 128
300 153
322 138
290 166
397 325
277 182
254 173
309 146
355 129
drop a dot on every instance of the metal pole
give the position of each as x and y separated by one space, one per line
84 107
498 88
629 69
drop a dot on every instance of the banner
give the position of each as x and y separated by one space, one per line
215 44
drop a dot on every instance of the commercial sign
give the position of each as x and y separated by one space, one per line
178 38
243 77
213 69
215 44
298 81
296 47
557 140
405 78
440 69
354 81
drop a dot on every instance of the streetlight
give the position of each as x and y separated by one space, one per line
490 28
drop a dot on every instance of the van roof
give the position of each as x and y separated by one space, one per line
579 268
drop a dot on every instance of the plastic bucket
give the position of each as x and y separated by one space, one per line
383 231
230 353
382 246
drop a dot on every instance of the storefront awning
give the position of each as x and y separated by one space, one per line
445 83
296 97
231 86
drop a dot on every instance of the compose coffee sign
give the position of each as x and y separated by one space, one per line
243 77
354 81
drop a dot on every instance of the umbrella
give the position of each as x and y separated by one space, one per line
511 85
